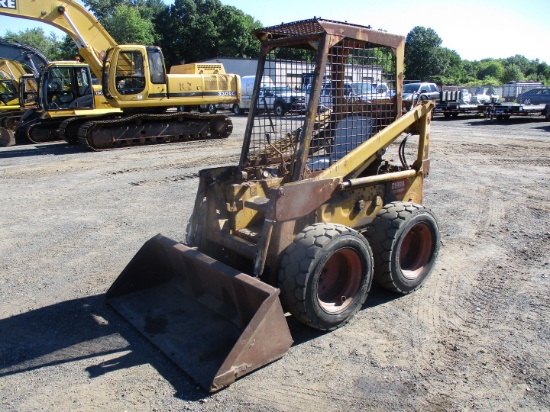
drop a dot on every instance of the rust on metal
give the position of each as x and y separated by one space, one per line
299 199
213 321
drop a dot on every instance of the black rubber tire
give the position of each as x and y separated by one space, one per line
279 109
405 241
212 109
325 264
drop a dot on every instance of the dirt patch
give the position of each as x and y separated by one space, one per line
474 337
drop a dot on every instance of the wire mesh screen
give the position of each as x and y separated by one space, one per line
357 99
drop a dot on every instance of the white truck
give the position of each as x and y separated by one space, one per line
247 87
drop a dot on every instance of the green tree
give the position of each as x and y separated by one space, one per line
195 30
422 54
512 74
129 21
50 45
126 25
451 68
235 37
490 69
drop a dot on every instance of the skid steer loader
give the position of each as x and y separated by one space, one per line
321 204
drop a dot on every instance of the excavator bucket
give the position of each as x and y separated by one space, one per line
7 137
213 321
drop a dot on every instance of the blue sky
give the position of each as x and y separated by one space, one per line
475 29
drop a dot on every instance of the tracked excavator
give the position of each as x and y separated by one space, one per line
11 72
320 205
134 82
17 61
29 121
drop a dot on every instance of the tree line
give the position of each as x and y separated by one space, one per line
195 30
426 60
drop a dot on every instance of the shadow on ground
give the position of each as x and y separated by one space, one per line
58 149
88 328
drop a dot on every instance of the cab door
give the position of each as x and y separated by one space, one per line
133 75
157 74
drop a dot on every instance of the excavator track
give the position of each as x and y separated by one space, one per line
68 129
142 129
8 116
41 131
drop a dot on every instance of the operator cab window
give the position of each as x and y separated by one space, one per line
156 65
7 91
130 72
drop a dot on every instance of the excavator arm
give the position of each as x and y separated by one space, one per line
24 55
10 69
70 17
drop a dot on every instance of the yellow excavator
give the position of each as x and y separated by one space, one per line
10 73
24 119
134 81
321 204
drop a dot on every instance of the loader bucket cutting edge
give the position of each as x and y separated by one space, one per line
214 322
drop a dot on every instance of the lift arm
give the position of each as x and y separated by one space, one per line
70 17
25 55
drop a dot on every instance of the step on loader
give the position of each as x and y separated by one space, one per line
322 202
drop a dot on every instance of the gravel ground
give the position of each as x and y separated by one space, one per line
475 337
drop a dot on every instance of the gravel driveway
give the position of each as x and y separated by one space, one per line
475 337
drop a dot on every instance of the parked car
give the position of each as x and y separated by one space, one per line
413 91
367 91
363 91
383 88
281 99
325 98
535 96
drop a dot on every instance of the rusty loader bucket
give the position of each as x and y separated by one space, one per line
214 322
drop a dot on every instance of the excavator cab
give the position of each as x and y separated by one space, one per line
8 92
134 73
9 73
66 86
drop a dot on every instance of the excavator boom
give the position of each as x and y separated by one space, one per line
70 17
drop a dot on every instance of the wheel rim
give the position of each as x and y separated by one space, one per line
416 251
339 281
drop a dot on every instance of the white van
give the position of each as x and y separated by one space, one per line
247 87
